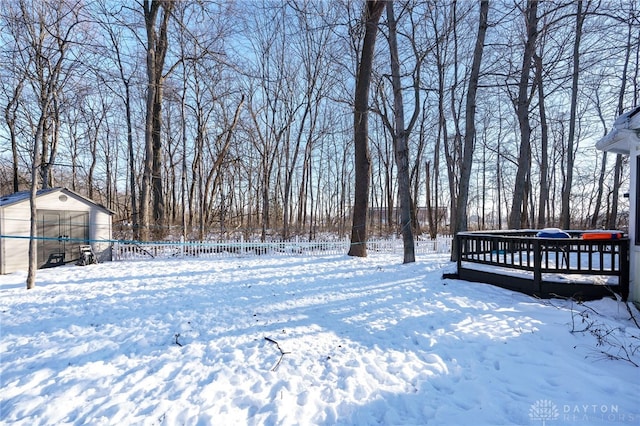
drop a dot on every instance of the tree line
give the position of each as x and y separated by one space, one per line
222 117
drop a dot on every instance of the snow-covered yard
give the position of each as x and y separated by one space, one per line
306 340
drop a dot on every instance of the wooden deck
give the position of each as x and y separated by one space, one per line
583 269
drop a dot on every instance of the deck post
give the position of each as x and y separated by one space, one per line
459 237
537 268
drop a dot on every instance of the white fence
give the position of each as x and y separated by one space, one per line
210 249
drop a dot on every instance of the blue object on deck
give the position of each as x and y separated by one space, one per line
552 233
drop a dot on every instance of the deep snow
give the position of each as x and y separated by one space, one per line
306 340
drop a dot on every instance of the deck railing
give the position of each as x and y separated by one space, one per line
545 266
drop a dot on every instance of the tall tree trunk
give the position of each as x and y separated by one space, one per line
156 168
33 231
613 216
373 11
522 111
152 176
10 116
55 138
287 209
47 85
598 206
470 129
601 176
183 175
126 99
565 213
612 223
443 140
431 214
267 168
453 150
544 148
132 169
401 146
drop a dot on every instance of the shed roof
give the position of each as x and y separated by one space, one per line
625 133
22 196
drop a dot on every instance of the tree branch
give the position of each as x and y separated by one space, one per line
282 353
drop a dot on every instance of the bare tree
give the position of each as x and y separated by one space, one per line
522 111
156 50
565 213
117 48
10 116
613 217
371 16
543 199
285 169
44 33
470 129
441 53
400 137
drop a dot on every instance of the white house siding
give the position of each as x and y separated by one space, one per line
634 250
624 139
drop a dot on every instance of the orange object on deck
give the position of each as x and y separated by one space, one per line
602 235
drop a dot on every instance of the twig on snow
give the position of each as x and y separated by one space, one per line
633 318
626 304
177 335
282 353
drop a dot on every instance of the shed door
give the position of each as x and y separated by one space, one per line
61 233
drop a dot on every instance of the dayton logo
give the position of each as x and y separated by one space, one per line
544 410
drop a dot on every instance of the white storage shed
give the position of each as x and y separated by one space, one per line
66 221
624 138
